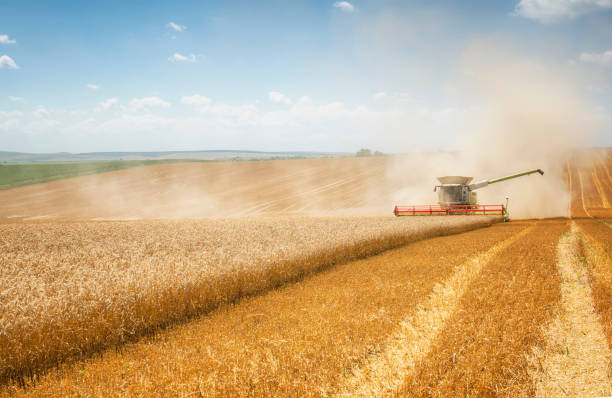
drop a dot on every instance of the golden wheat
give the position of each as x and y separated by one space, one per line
301 340
70 289
482 351
597 243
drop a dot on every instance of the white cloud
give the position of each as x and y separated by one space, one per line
138 104
305 100
303 124
177 27
556 10
109 103
41 112
176 57
379 96
602 59
10 114
395 97
4 39
279 98
93 86
7 62
344 6
16 99
196 100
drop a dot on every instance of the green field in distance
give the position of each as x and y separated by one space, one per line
19 174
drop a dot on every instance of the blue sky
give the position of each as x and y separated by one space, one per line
281 75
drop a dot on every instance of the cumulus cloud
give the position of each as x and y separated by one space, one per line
396 96
279 98
602 59
380 95
344 6
16 99
556 10
41 112
146 103
176 27
109 103
196 99
93 86
10 114
176 57
7 62
4 39
302 124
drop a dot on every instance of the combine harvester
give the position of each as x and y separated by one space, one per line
456 196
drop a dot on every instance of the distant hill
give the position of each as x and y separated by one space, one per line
169 155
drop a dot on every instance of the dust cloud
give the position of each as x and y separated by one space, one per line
529 115
520 114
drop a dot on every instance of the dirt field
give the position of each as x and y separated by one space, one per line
515 309
225 189
590 182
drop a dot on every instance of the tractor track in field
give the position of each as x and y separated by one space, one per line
597 245
384 374
569 188
582 195
196 190
307 193
600 189
575 360
483 348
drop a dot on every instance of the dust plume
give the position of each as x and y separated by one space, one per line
528 115
518 113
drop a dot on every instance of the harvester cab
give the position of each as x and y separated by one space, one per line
457 196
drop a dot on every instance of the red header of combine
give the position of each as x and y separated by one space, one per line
450 210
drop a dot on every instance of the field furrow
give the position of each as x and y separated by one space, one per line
598 252
576 356
601 190
383 374
304 339
483 350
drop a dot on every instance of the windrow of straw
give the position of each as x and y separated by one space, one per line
575 360
484 347
68 290
597 244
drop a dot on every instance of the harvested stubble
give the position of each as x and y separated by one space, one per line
575 360
70 289
591 185
301 340
577 201
598 251
483 350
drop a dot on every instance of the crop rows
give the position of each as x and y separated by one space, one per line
483 350
217 189
70 289
590 183
302 340
598 252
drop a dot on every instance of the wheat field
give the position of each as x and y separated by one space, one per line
70 289
311 306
